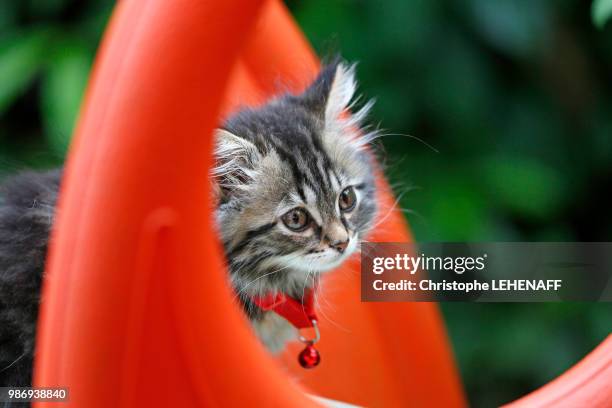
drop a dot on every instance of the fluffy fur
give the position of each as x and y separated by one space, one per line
27 204
297 151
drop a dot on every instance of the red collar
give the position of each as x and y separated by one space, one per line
301 314
298 313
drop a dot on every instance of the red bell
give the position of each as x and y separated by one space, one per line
309 357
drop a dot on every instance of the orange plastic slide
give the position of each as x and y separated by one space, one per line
137 310
587 384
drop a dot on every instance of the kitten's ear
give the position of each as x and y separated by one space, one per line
235 160
330 95
331 92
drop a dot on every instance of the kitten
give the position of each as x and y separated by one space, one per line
295 194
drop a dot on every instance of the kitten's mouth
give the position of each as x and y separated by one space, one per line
318 262
326 260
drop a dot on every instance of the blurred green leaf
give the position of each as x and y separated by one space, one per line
457 212
517 27
524 186
62 91
601 10
21 56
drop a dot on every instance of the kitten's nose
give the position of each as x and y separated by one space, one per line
340 246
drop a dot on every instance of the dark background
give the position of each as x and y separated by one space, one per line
514 97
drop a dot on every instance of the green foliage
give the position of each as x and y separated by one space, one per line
601 11
46 53
523 186
62 91
21 57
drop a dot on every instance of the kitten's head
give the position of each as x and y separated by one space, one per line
295 183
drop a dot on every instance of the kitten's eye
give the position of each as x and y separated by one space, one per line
347 199
297 219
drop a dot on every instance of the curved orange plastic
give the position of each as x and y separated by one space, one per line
136 309
587 384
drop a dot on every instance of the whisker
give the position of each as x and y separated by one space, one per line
389 212
14 362
325 316
411 137
245 287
